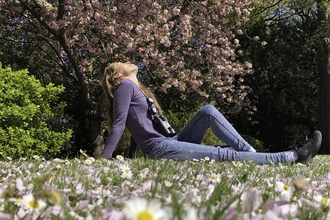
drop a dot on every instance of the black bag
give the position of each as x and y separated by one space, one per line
161 121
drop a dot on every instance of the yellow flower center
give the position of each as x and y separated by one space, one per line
213 177
34 204
56 196
238 164
145 215
126 170
325 201
286 187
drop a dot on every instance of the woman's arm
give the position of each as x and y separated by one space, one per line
121 103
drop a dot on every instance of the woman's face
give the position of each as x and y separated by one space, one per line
126 69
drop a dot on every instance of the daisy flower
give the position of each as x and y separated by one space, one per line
140 209
120 157
284 190
215 178
300 183
36 157
126 171
212 161
320 200
30 204
89 160
237 163
16 201
55 197
57 160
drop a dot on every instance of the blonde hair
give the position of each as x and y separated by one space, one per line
109 84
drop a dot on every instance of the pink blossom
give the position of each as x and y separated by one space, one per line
282 209
251 200
176 11
230 212
246 12
164 31
238 11
19 185
113 9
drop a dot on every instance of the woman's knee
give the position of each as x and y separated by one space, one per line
208 109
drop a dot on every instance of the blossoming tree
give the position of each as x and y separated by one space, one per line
189 45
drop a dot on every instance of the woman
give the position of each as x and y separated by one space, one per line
128 107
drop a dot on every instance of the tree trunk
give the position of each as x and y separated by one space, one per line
95 119
97 138
324 106
323 59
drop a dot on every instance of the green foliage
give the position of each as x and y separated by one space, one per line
285 82
27 116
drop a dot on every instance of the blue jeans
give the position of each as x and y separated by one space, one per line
187 144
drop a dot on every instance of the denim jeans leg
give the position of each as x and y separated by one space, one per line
179 150
209 117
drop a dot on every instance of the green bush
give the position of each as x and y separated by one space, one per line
27 112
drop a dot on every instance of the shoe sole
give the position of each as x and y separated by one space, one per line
319 142
317 139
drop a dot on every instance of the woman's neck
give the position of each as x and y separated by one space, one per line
132 78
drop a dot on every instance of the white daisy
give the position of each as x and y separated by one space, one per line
237 163
120 157
55 197
126 171
300 183
320 200
285 191
36 157
215 178
140 209
57 160
88 161
30 204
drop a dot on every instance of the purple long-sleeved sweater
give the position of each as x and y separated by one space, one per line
131 110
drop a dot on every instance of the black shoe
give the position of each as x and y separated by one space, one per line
307 152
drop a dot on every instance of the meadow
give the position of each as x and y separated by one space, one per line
142 189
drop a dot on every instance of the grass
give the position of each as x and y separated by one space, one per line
162 189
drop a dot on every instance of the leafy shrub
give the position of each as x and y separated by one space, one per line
27 110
